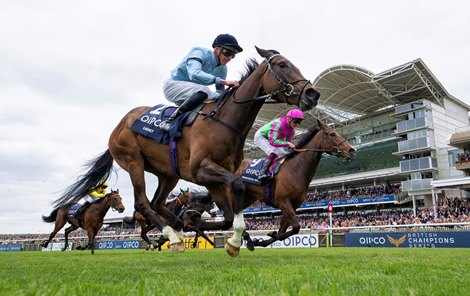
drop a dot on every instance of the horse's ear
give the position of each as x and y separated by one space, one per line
320 124
117 191
181 190
263 52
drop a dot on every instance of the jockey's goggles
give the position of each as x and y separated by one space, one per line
228 53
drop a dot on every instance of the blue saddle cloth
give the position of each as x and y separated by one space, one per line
73 211
252 171
148 124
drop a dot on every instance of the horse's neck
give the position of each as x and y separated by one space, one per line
303 166
103 207
242 116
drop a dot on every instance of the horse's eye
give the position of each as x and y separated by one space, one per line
283 65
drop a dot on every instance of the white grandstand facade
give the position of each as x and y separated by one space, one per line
400 121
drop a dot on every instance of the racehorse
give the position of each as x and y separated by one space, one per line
288 188
189 206
91 221
208 153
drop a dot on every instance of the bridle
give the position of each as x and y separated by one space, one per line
288 86
333 151
113 202
288 91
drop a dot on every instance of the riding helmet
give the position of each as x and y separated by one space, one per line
227 40
295 113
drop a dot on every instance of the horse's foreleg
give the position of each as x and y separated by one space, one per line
288 218
142 205
67 232
165 185
249 242
60 221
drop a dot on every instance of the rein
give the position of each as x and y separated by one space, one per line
288 88
288 91
334 151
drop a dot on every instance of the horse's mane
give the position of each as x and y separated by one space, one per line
250 67
304 140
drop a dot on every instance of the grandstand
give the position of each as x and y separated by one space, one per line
413 152
400 121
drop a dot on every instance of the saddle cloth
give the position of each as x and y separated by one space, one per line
73 211
252 171
148 123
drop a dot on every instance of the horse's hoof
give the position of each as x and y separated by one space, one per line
231 250
152 248
250 246
177 247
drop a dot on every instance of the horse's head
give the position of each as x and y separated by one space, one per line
184 196
115 201
334 144
285 81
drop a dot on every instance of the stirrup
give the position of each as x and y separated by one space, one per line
165 125
265 177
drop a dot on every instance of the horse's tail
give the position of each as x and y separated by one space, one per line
51 218
99 170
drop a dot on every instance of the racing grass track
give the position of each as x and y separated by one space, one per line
333 271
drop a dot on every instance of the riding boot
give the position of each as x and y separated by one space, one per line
194 100
82 209
264 174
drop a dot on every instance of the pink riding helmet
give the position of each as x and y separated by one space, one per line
295 113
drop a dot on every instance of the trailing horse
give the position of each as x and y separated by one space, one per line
91 220
208 153
288 189
188 206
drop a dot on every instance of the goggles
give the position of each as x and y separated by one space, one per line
297 120
228 53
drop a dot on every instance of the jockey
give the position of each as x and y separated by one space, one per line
201 67
97 192
274 136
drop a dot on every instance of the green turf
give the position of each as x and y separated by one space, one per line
333 271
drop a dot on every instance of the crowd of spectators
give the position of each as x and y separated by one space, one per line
463 158
449 210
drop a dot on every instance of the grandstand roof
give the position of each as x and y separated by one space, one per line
349 93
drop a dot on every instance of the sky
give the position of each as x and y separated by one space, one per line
70 70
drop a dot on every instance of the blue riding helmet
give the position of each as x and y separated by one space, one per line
227 40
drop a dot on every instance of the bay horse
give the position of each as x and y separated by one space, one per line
91 221
289 187
188 206
208 153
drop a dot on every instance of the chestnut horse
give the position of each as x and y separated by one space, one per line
289 187
209 151
91 221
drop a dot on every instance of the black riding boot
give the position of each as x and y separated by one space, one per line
194 100
82 209
264 174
